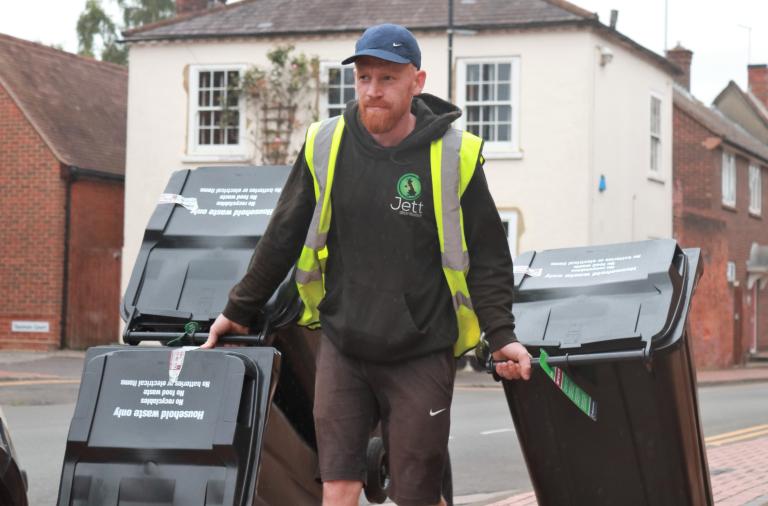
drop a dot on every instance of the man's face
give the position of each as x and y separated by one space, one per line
384 90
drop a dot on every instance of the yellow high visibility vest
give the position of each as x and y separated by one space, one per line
453 159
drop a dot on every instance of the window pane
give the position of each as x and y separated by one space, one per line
473 91
488 92
218 79
218 136
203 98
233 118
205 136
205 118
505 70
232 99
233 77
216 98
334 95
349 76
334 76
232 135
503 131
487 133
502 92
217 116
204 80
334 111
473 73
349 94
489 113
489 72
473 113
505 113
474 129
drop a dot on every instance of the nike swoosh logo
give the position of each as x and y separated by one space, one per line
397 44
433 413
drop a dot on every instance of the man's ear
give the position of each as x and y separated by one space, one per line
419 79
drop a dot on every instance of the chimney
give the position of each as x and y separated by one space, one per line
758 82
682 58
187 6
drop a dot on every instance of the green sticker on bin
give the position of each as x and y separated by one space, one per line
579 397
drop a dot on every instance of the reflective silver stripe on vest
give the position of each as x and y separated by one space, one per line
454 257
321 154
306 277
459 300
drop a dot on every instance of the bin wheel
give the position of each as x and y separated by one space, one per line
378 473
447 486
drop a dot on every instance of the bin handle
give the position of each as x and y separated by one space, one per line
580 359
199 338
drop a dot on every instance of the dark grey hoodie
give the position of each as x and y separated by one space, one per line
386 295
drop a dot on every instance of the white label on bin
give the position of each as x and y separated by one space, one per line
175 363
528 271
190 203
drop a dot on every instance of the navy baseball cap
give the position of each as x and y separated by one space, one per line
389 42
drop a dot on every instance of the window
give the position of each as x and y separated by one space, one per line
655 134
730 272
217 116
487 92
509 222
729 179
755 189
340 83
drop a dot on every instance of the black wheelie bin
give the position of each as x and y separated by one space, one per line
175 426
613 320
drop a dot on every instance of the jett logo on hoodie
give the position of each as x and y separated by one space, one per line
408 190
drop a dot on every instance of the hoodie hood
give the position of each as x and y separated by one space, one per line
433 117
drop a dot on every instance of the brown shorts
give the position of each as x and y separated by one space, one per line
411 399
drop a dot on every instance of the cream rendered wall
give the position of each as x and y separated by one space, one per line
636 204
548 184
158 111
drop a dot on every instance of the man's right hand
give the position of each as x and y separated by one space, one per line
222 327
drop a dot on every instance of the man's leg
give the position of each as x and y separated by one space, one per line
345 412
341 492
416 396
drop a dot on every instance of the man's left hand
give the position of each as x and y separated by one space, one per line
518 362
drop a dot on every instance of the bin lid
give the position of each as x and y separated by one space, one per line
200 239
600 298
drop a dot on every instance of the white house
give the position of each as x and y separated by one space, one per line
577 117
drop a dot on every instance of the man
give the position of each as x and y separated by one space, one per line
387 266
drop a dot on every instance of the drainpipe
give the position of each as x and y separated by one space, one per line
69 177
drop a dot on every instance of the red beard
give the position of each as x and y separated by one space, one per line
379 121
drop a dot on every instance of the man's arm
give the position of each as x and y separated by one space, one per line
275 254
490 279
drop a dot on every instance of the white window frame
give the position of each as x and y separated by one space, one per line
728 179
325 67
655 136
730 272
193 147
493 149
755 189
512 219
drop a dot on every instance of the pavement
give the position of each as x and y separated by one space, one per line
738 461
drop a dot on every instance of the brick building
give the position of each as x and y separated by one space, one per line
62 164
720 175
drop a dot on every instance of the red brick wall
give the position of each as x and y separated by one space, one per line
720 336
95 242
31 231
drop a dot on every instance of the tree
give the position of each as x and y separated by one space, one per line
96 29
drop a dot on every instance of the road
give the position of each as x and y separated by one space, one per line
486 457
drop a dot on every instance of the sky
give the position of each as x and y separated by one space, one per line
717 31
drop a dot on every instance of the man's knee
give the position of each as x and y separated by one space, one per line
341 492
